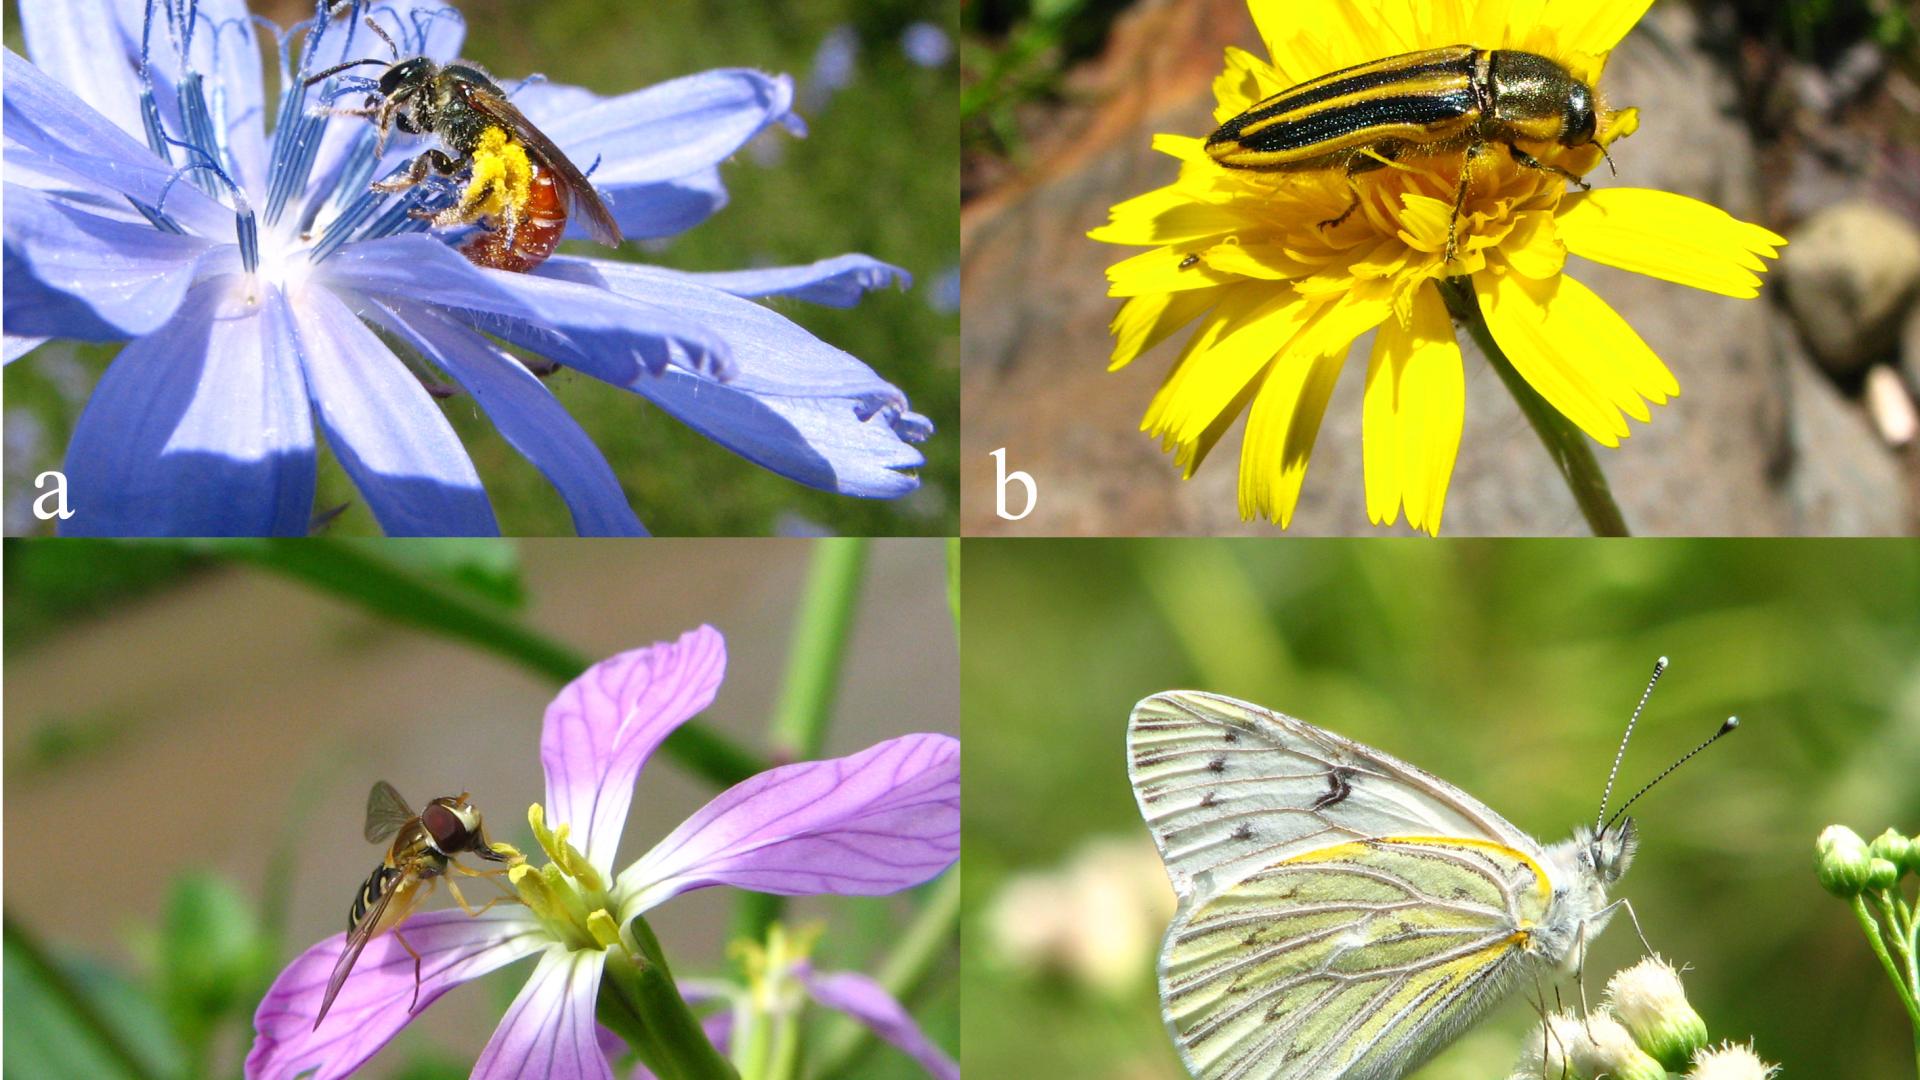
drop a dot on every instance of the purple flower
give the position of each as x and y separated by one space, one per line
146 203
876 822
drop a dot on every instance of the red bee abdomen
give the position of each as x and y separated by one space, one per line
542 221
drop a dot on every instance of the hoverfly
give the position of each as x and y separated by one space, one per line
424 846
1430 102
520 187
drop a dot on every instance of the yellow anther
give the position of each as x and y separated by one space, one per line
604 930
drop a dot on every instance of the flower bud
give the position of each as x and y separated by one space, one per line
1602 1047
1650 1002
1730 1062
1894 848
1546 1051
1840 861
1882 874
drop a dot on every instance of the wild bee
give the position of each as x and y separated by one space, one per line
423 848
520 186
1431 102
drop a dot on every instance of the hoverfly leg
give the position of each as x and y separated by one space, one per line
416 968
473 912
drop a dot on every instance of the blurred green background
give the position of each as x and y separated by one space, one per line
191 729
1507 668
878 173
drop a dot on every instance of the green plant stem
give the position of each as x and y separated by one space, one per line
902 972
1879 946
953 583
352 573
1568 446
641 1003
28 949
814 659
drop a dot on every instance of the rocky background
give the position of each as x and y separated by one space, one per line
1796 414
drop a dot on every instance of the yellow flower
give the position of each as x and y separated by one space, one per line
1279 299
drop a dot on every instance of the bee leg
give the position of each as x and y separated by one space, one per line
417 171
416 969
1532 162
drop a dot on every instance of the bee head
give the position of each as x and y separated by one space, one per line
406 77
455 827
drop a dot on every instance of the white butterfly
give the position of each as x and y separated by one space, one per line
1343 915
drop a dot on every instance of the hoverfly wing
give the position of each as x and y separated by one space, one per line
357 939
386 812
579 192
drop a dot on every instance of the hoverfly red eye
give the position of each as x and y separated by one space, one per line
449 833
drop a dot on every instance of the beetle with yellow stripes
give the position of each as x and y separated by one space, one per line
1437 101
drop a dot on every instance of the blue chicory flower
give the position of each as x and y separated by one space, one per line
146 202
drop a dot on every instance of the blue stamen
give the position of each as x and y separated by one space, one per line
158 218
192 99
342 227
150 118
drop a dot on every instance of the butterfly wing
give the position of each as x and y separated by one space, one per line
386 812
1342 914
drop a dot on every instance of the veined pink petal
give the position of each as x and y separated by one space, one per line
373 1003
603 726
868 1002
549 1030
879 821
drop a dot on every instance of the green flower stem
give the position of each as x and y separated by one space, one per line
352 572
80 1009
902 972
1568 446
953 583
814 659
1872 928
641 1003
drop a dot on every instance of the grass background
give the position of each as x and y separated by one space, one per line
1509 669
878 173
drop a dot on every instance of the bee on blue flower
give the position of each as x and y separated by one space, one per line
277 284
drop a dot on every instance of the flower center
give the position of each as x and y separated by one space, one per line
771 969
568 894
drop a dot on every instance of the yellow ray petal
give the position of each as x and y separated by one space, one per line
1599 338
1146 321
1166 215
1519 326
1243 348
1667 236
1281 427
1416 405
1162 270
1594 27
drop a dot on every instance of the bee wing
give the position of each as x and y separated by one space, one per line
580 193
386 812
364 931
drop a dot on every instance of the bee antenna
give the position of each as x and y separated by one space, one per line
338 68
1729 725
1659 669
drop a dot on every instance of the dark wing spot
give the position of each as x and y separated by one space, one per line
1244 832
1209 799
1232 735
1338 787
1218 764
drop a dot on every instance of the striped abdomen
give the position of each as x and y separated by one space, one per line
371 891
524 244
1426 97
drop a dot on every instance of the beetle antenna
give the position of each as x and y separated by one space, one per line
338 68
1609 160
1731 723
1659 669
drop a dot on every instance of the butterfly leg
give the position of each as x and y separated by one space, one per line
1632 918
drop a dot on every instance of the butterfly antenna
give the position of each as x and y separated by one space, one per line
1731 723
1659 669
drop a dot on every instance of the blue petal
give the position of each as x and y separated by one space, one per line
837 282
795 404
613 338
527 415
656 211
226 53
63 135
388 434
17 346
79 43
116 279
663 132
820 442
771 353
200 429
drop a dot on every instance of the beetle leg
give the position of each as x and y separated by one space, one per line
1532 162
1460 198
